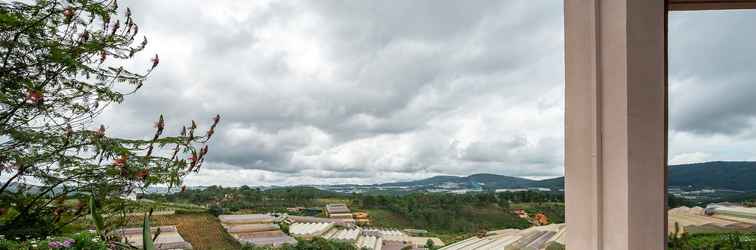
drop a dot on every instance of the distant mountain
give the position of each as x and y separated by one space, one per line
487 181
553 183
737 175
435 180
715 175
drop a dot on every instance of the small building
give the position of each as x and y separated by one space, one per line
310 219
415 241
521 213
382 232
734 211
534 238
341 216
256 229
247 219
348 235
168 238
370 242
541 219
309 230
337 209
360 215
361 218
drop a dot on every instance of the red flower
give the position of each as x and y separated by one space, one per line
35 96
155 61
193 158
103 56
69 130
101 131
116 27
68 12
193 161
143 173
160 124
120 162
85 36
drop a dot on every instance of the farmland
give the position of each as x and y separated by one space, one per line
202 230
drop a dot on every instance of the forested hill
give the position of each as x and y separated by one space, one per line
717 175
476 180
737 175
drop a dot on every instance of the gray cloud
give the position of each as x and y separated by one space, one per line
712 86
712 72
345 91
374 91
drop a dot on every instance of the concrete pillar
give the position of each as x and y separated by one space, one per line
615 124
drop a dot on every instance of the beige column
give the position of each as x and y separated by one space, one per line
615 124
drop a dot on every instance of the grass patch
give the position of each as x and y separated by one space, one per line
388 219
325 201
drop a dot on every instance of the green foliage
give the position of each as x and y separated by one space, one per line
96 217
147 234
62 64
438 212
554 211
314 244
720 175
79 241
284 227
678 240
446 213
430 245
86 240
727 241
674 201
220 200
6 244
555 246
215 210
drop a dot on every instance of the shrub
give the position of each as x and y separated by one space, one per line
79 241
215 210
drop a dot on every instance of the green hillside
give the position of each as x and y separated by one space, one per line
715 175
719 174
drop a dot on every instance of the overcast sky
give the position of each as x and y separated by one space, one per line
322 92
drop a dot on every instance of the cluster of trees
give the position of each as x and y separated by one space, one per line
451 213
61 65
719 241
483 199
674 201
233 199
441 212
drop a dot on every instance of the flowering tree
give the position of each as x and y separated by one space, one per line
60 67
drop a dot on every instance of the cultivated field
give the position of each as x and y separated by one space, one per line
202 230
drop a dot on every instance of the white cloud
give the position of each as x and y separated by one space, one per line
687 158
373 91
